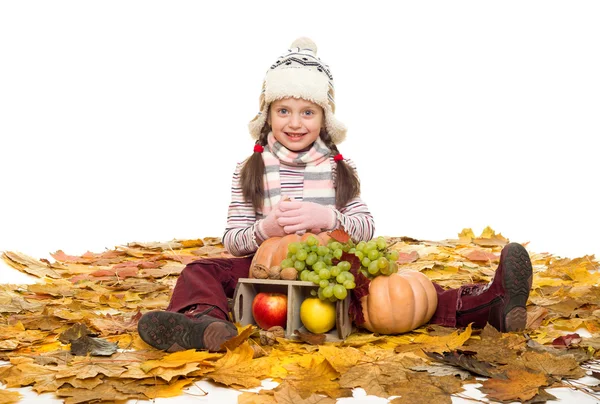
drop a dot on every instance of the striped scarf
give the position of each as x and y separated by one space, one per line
318 180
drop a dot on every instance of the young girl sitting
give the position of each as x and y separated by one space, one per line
296 180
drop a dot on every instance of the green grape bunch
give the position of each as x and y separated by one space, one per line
322 265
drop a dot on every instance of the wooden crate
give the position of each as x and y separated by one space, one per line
296 292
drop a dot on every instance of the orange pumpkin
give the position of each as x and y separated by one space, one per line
398 303
274 250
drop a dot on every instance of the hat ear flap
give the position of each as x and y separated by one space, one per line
335 128
330 98
258 122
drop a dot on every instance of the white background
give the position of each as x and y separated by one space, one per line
123 120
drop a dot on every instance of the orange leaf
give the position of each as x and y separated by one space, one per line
520 385
340 235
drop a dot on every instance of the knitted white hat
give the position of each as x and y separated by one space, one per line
300 74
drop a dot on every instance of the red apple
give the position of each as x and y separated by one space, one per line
269 310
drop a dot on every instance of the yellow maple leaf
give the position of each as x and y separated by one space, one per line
441 344
180 358
262 397
24 373
9 397
319 377
488 232
287 395
243 335
571 324
237 369
359 339
87 368
341 359
280 360
168 374
466 235
191 243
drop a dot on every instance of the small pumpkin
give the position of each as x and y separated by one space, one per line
274 250
398 303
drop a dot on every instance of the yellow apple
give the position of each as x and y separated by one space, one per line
317 316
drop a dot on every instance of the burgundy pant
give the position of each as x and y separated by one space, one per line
209 282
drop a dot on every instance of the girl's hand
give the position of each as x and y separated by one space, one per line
268 227
297 216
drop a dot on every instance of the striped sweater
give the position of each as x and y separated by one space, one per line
241 236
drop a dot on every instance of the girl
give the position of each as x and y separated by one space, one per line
296 180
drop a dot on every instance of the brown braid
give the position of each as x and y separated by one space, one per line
251 176
347 184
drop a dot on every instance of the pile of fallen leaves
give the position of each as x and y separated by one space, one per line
74 333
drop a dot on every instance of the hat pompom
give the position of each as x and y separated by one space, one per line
304 43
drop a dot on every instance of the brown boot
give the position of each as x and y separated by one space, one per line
502 302
172 332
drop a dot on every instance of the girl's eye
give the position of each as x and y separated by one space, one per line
309 113
283 111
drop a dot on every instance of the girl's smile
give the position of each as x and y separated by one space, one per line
296 123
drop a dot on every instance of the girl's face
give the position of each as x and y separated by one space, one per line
296 123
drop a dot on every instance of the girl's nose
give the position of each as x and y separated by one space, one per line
294 121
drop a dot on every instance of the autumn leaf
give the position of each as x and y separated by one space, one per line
31 266
180 358
564 297
76 331
9 397
535 316
552 365
489 238
103 392
440 369
104 258
361 289
118 273
243 335
339 235
115 324
262 397
360 339
92 346
25 373
310 338
466 235
480 255
237 369
566 340
285 394
341 359
90 368
407 258
466 360
496 347
169 390
318 377
209 251
375 378
438 344
422 388
520 385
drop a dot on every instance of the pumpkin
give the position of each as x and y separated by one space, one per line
398 303
274 250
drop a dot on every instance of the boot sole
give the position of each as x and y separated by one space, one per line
518 275
172 332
